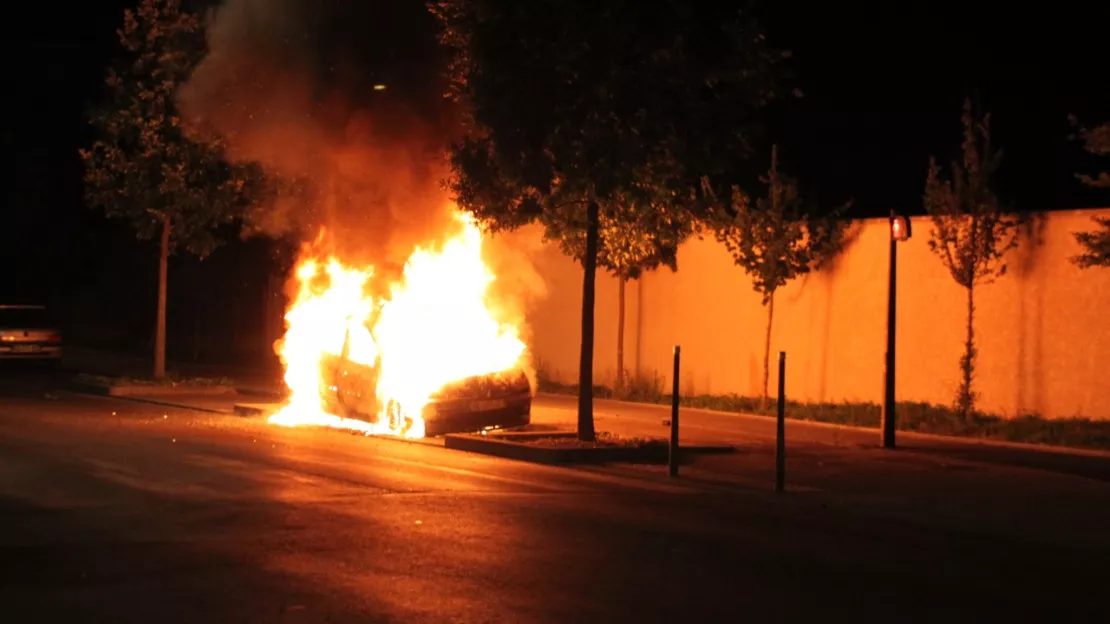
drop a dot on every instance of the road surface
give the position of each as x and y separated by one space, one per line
114 511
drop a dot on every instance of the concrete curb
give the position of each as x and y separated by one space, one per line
131 390
261 393
254 410
505 447
155 401
521 436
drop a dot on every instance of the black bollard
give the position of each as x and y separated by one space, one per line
672 457
780 429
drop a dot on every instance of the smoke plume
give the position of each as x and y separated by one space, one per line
344 95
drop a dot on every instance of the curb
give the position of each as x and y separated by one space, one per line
131 390
163 403
498 446
253 410
261 393
512 436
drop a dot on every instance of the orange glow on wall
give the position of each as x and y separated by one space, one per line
1042 329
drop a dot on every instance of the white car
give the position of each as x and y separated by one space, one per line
27 332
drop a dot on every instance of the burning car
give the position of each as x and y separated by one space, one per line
434 354
498 400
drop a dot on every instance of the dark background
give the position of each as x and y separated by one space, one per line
883 85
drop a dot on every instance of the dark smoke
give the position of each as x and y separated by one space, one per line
291 84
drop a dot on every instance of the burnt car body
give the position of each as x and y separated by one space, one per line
494 401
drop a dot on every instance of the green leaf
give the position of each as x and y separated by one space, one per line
971 235
571 102
141 166
772 238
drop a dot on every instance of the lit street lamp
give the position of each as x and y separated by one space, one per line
899 231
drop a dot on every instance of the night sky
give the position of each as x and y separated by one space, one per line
883 85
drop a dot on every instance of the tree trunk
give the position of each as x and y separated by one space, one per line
965 400
270 333
586 363
196 335
160 321
197 314
620 333
767 349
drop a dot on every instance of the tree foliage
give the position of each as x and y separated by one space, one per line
772 237
606 105
775 241
631 239
971 235
1096 141
141 167
1095 243
625 104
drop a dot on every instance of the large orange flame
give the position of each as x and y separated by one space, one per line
435 327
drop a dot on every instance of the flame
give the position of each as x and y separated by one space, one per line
435 327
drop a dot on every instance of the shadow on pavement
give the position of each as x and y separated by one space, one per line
25 379
1061 461
76 565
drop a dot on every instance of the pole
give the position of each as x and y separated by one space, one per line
888 420
160 321
672 457
586 430
780 429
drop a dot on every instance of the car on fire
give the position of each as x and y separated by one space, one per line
493 401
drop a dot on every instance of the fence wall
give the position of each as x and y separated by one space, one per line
1043 329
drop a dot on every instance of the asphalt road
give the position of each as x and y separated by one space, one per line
113 511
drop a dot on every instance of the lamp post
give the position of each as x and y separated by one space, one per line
899 231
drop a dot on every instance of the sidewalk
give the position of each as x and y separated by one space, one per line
818 445
748 431
1039 494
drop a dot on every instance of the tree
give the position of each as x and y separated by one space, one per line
1096 243
141 167
631 240
970 234
574 109
775 241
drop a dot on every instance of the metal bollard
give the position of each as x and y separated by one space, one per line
780 429
672 457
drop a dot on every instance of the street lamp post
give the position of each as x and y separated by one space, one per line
899 231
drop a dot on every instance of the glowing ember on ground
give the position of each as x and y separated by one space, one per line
434 327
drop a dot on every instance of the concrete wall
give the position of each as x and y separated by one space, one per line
1043 329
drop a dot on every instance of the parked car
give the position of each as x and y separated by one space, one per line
28 332
497 400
